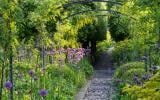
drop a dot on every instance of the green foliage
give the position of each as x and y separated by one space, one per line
105 44
150 89
92 32
127 71
119 28
86 67
62 82
128 90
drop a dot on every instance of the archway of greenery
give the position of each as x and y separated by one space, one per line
35 26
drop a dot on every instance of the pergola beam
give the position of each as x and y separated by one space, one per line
89 1
101 10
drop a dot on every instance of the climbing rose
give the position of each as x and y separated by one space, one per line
43 92
8 85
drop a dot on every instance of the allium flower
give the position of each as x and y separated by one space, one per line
8 85
35 78
43 92
31 73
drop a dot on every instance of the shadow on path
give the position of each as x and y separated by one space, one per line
100 86
105 60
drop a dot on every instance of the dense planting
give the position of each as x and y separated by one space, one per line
48 47
60 79
138 57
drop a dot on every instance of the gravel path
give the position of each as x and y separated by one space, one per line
100 86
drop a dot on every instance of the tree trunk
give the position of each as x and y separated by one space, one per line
93 51
85 44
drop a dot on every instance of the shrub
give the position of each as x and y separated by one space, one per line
128 88
127 71
149 91
86 67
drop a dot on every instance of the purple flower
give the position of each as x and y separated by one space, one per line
69 56
138 82
31 73
135 78
8 85
35 78
43 92
155 68
145 77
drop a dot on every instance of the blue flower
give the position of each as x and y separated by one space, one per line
31 73
135 78
8 85
35 78
145 77
43 92
155 68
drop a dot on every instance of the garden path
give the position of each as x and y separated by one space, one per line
100 86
